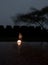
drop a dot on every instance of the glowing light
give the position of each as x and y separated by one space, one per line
19 42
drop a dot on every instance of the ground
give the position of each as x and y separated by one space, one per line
28 55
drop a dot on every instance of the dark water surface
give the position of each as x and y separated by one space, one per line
31 53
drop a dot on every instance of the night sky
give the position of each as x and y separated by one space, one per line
9 8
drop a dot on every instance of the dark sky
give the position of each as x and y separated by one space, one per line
9 8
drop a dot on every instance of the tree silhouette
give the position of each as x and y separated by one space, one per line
36 16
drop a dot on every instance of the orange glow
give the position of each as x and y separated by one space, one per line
19 41
20 36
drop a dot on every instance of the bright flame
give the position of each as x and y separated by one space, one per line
19 42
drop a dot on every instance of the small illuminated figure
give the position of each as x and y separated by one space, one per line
19 42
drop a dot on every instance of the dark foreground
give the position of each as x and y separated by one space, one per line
29 54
